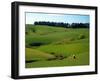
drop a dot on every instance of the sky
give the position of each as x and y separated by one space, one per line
65 18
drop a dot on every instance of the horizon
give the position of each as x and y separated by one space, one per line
58 18
59 22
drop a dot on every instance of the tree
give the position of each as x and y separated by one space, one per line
62 24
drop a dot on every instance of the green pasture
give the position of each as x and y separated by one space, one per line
48 46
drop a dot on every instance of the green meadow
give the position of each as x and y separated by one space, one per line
48 46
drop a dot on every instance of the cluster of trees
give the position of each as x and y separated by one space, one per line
61 24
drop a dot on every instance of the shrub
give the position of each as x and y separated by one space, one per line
33 30
81 36
36 44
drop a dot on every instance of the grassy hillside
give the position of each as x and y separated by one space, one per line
48 46
33 54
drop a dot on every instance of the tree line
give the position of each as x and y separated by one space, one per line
62 24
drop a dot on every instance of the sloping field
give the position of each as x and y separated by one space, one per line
48 46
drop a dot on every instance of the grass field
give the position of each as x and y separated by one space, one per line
48 46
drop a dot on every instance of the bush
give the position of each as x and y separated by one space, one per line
33 30
81 36
36 44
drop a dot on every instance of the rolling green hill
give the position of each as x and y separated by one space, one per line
48 46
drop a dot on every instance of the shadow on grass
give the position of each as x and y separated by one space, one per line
60 57
30 61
